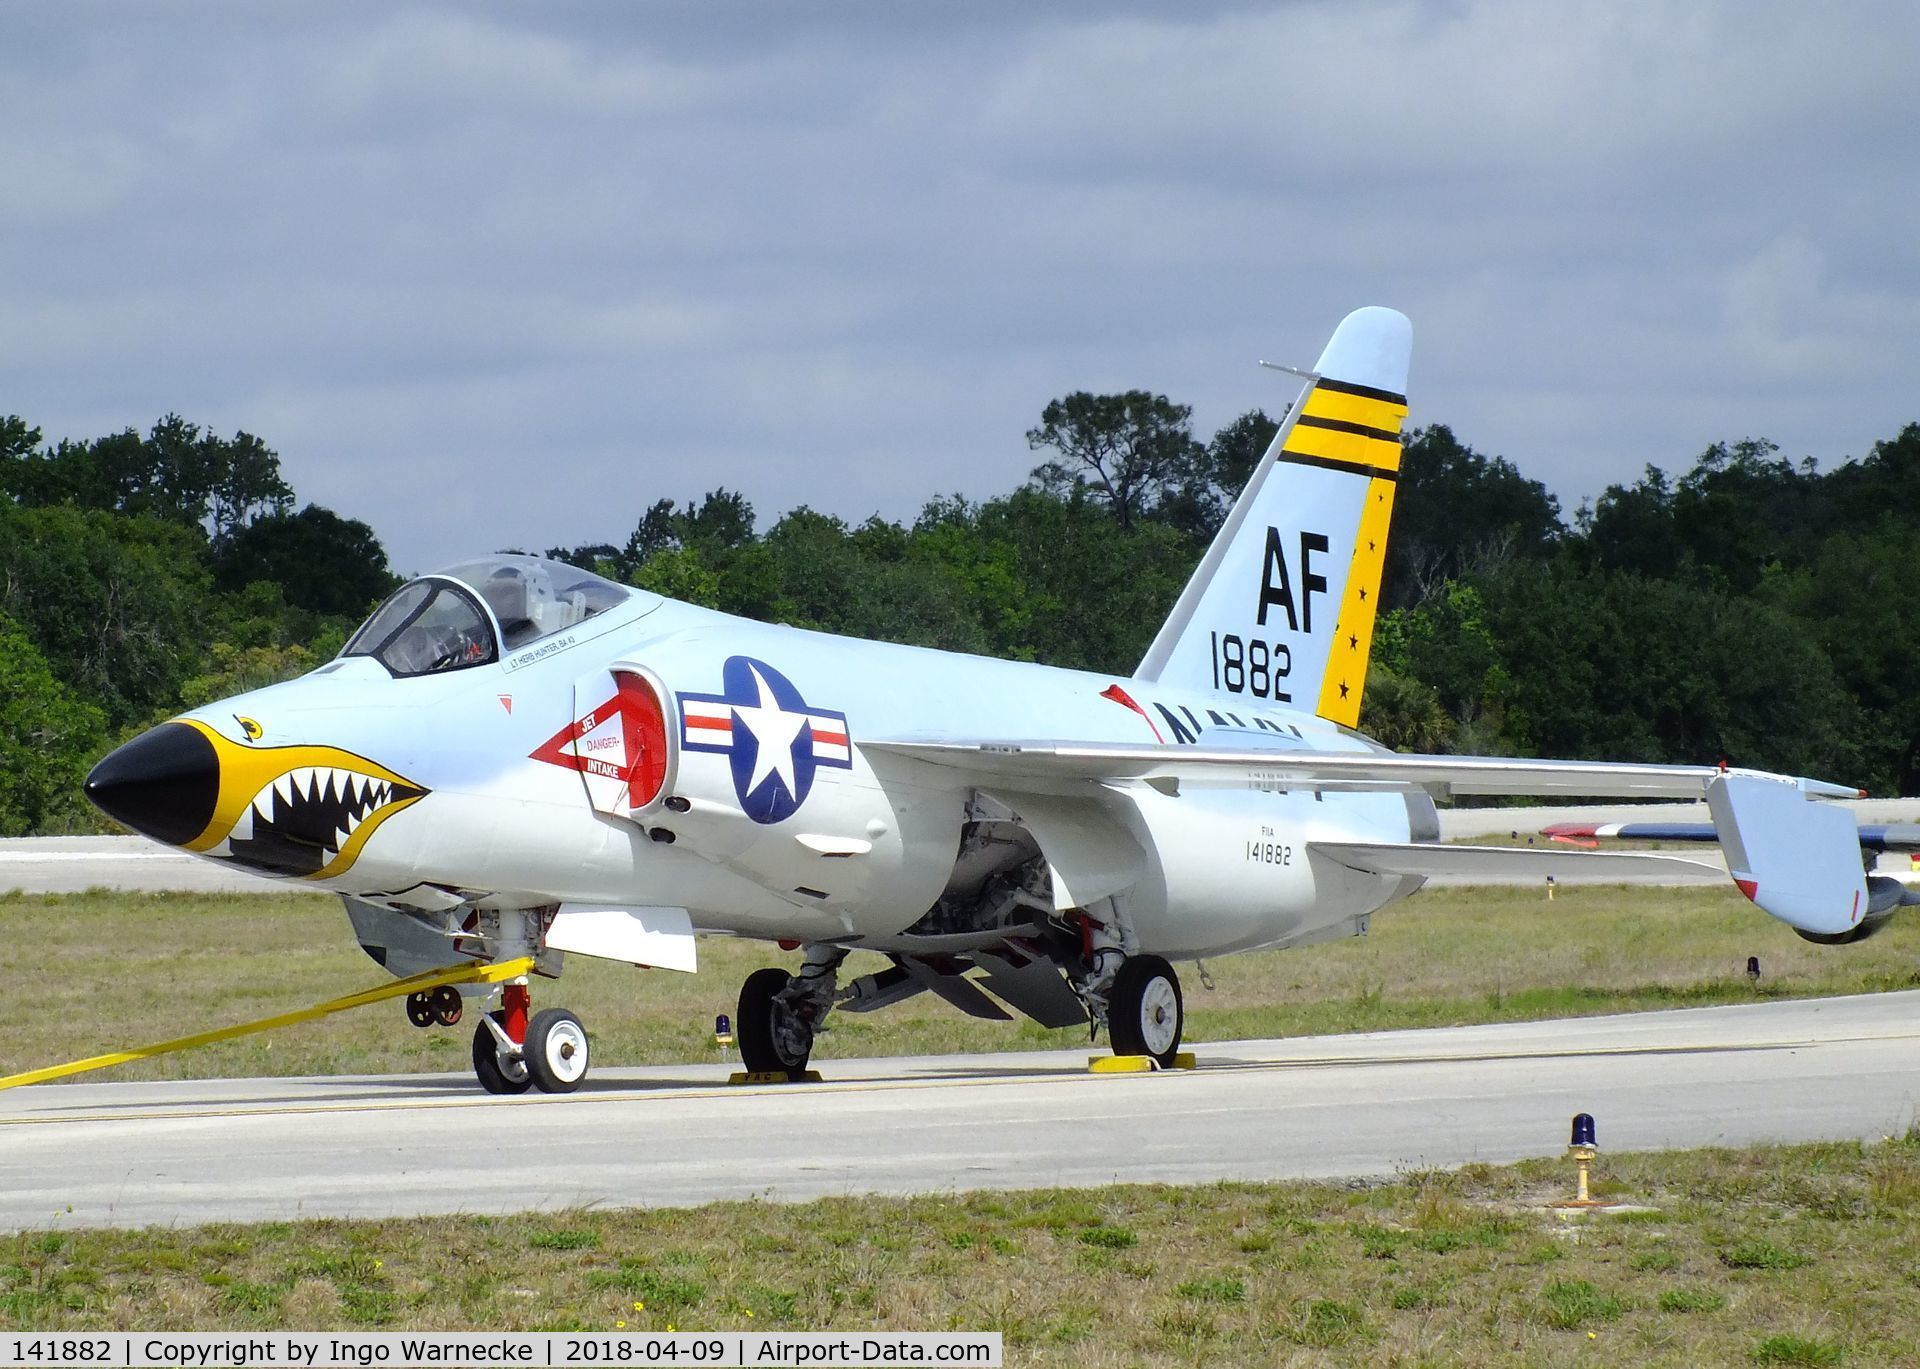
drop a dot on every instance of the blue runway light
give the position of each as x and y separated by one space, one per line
723 1025
1753 968
1583 1131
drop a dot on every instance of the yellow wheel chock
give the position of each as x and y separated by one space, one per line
1137 1064
453 974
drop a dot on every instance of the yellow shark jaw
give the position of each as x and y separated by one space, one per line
299 811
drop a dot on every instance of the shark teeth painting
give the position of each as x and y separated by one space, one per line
301 822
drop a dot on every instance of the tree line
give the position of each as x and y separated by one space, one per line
1752 609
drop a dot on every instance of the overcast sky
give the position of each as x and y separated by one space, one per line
503 275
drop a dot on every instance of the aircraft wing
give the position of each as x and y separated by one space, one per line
1796 859
1442 775
1508 862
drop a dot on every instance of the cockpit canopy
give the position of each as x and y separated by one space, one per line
468 614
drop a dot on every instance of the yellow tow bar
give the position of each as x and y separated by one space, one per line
432 979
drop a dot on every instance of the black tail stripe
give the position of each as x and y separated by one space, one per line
1340 425
1363 391
1350 467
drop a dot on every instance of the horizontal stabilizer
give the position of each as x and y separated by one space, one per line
1799 861
1333 770
1507 862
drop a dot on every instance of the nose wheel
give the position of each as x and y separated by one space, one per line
497 1071
556 1051
511 1054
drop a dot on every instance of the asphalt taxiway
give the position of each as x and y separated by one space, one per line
133 1154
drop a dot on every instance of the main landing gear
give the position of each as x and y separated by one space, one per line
1135 997
1145 1013
774 1028
1139 1003
780 1013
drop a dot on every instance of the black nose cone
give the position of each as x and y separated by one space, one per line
163 782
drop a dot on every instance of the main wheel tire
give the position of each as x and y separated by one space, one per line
1145 1013
495 1074
773 1038
556 1052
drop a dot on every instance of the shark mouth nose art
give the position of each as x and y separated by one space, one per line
308 818
305 812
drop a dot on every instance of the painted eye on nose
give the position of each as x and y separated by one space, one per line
164 783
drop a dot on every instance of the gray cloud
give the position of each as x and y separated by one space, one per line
494 276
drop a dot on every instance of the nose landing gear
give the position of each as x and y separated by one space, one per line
510 1053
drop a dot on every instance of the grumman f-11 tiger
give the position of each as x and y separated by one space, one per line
515 757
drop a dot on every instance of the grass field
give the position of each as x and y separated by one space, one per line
97 972
1804 1255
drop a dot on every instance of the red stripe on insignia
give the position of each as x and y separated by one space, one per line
830 738
717 724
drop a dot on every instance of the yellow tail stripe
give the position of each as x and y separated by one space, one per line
1371 413
1346 676
1339 446
457 974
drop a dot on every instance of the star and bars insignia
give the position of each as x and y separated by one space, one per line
773 739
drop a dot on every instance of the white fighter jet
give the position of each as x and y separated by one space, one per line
514 757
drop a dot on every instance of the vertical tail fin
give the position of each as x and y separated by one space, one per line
1282 605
